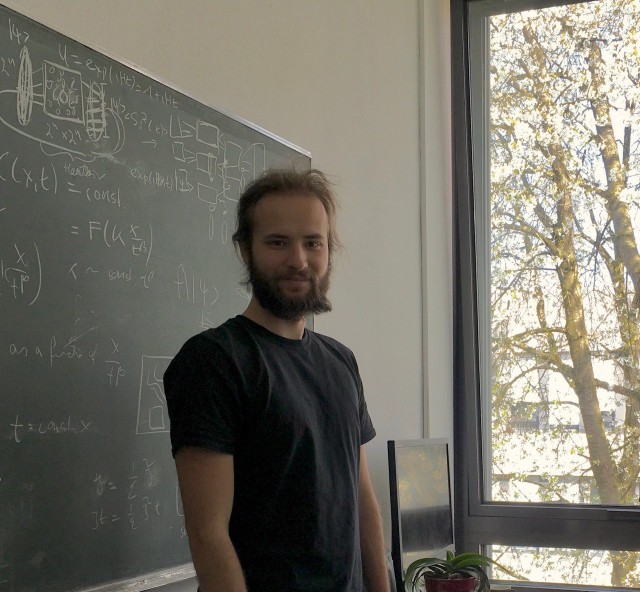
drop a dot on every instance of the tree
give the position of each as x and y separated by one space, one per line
565 266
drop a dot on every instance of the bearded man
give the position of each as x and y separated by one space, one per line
268 418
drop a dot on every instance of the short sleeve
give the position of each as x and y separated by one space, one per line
367 431
202 397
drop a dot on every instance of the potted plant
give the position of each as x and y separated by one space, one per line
457 573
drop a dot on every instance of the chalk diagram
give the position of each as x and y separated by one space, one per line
223 165
55 107
152 404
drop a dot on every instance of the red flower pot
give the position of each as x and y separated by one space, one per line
451 585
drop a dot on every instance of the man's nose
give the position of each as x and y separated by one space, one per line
297 257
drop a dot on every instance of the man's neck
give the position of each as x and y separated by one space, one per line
293 329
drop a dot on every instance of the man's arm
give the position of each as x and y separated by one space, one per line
374 564
206 486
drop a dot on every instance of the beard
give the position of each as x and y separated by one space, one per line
271 297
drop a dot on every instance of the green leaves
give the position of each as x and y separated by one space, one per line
463 565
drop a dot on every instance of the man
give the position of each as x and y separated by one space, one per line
268 419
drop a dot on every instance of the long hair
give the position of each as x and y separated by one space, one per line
285 181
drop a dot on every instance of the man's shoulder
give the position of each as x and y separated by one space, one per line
331 344
221 351
229 331
327 340
212 344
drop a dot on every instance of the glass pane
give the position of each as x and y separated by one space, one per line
584 567
557 161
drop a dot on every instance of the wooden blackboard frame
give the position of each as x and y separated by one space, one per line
182 571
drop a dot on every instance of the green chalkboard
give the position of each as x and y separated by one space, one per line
117 205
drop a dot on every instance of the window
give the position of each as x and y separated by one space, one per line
547 287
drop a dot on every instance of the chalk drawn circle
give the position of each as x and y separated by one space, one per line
24 95
96 120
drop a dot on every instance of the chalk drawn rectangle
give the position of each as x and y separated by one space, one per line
208 134
232 154
206 162
256 156
179 151
152 405
63 98
207 194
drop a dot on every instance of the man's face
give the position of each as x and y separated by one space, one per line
288 263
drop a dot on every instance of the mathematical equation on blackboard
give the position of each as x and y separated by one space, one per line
117 204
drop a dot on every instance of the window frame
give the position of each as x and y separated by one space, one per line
479 522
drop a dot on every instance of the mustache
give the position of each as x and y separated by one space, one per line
296 275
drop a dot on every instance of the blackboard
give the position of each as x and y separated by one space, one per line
117 205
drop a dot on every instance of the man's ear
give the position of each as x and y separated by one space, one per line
245 253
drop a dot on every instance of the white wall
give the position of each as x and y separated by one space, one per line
342 79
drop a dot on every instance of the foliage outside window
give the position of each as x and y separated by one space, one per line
555 95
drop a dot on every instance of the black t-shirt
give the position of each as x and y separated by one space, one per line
293 414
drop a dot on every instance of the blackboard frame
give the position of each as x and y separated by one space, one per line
148 581
173 573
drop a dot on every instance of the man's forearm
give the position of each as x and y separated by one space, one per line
374 563
217 565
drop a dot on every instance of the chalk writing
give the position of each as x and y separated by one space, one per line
68 58
22 429
177 180
147 278
104 196
132 82
82 170
155 178
103 483
151 473
101 518
113 275
6 63
16 34
142 507
191 292
138 119
23 351
70 350
116 235
101 72
115 371
21 273
143 504
132 484
43 178
117 198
